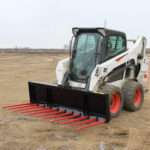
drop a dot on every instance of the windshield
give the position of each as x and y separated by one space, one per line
84 58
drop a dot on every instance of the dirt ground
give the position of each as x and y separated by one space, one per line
130 131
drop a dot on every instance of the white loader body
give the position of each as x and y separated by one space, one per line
102 70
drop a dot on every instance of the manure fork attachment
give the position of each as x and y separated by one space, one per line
78 109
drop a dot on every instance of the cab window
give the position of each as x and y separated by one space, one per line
114 46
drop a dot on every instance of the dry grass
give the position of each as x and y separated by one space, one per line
130 131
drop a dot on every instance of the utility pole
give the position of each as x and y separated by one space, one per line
105 23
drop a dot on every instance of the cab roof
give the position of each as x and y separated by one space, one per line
103 31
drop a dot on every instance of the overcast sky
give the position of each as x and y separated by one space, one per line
48 23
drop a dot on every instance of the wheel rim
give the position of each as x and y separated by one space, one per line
115 103
138 97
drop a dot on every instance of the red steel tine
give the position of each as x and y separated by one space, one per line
96 123
63 114
66 118
17 105
50 115
42 112
84 122
24 107
75 120
27 109
34 109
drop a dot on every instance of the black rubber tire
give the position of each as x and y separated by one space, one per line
129 92
110 90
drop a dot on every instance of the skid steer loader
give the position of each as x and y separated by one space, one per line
100 78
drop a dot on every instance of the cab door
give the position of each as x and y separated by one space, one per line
114 56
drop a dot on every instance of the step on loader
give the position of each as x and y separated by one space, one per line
101 77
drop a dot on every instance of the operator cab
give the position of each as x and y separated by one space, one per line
92 46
